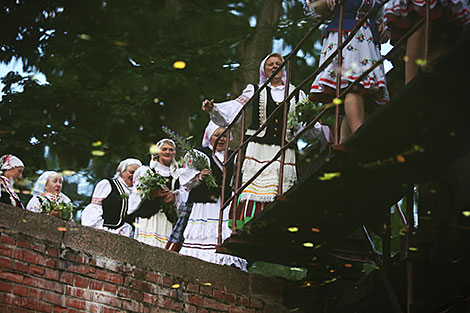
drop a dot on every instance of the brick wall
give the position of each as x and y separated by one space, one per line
48 265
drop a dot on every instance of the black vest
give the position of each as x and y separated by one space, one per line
273 133
150 207
9 197
115 206
202 193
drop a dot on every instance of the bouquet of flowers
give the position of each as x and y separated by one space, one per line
57 208
197 161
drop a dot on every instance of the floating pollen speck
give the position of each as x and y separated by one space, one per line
207 284
337 101
421 62
328 176
179 65
406 58
61 229
98 153
466 213
97 143
293 229
175 286
400 158
308 245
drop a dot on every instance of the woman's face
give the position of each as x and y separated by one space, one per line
222 142
128 174
271 65
14 173
54 184
166 154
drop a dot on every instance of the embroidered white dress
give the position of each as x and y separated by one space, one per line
155 230
35 204
9 195
265 187
92 215
201 232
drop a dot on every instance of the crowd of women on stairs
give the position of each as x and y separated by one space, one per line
182 214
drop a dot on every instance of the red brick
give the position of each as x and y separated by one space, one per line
5 286
67 278
110 288
139 285
58 309
6 263
105 299
52 252
230 298
167 281
75 303
21 267
237 309
212 304
52 274
39 248
243 301
159 290
137 295
202 311
35 293
149 298
190 308
79 293
255 303
80 269
81 282
196 300
206 290
17 278
177 306
139 274
22 244
192 287
93 308
153 277
125 269
134 306
38 282
35 258
109 277
7 298
96 285
37 306
219 294
124 292
69 256
52 297
109 310
11 252
163 302
20 290
36 270
7 239
83 259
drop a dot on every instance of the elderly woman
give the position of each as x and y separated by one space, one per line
267 143
156 213
11 169
201 232
47 191
109 208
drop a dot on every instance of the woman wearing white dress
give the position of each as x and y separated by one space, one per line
109 207
47 189
267 143
201 232
11 169
153 224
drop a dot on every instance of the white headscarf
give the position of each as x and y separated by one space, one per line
153 163
9 161
40 184
124 164
210 129
262 75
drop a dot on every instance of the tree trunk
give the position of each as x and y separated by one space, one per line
257 45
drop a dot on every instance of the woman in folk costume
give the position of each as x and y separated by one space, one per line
109 208
267 143
449 20
48 189
11 169
201 233
358 55
154 217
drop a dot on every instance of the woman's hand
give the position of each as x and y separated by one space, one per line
204 173
170 198
207 105
331 4
383 33
159 193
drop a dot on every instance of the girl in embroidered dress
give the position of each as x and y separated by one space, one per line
266 144
153 223
201 232
109 207
48 188
11 169
358 55
448 19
